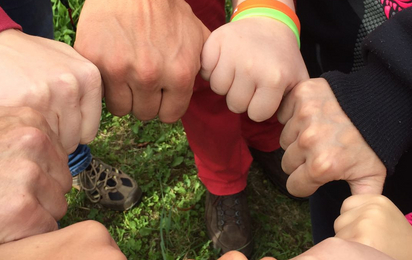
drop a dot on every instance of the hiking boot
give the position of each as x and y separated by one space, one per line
228 222
271 163
108 186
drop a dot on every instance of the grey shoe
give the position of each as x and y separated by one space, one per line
108 186
228 222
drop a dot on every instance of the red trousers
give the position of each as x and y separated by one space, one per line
218 137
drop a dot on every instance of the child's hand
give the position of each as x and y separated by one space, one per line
375 221
253 61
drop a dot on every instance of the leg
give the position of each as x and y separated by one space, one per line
325 207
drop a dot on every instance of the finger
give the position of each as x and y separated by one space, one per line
180 78
118 96
240 93
345 221
286 108
146 102
39 222
222 77
48 192
355 201
70 123
300 182
233 255
290 133
265 102
209 57
293 158
29 117
174 104
38 148
90 104
347 230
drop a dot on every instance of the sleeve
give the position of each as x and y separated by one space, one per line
6 22
378 98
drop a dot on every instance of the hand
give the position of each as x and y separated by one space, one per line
323 145
148 53
52 78
339 249
233 255
375 221
254 62
34 175
84 240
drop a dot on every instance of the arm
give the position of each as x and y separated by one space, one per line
382 108
375 221
83 240
331 248
34 175
254 62
147 51
353 125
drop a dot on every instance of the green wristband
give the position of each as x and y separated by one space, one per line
271 13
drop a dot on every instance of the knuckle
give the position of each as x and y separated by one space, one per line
367 241
31 115
31 172
308 138
148 75
322 165
22 205
307 110
96 232
32 138
91 71
303 90
184 76
68 86
381 201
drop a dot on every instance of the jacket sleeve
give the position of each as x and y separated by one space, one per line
378 98
6 22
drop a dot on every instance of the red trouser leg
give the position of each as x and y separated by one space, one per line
216 136
263 136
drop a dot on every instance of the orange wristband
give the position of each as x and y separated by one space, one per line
273 4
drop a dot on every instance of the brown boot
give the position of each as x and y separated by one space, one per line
271 163
228 222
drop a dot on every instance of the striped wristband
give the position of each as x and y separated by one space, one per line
268 8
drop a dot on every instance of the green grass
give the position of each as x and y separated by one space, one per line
169 222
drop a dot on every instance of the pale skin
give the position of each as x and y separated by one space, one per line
375 221
150 52
252 65
323 145
84 240
331 248
52 78
34 175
